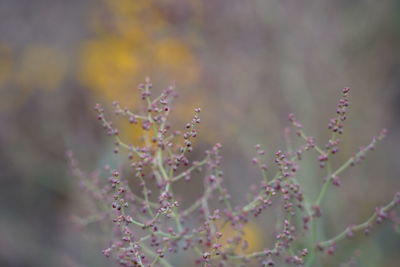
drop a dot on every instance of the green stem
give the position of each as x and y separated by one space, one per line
305 137
153 254
359 227
189 170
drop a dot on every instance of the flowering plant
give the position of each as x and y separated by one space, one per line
150 225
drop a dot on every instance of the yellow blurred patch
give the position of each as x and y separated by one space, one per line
178 61
108 66
133 133
41 67
131 43
134 39
252 235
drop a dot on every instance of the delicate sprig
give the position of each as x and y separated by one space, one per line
150 225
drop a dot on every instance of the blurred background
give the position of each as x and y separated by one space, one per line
247 64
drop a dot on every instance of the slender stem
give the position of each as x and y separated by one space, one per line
199 202
305 137
146 197
189 170
150 252
177 217
359 227
326 184
341 169
314 222
126 112
226 201
157 258
161 165
119 141
152 204
207 214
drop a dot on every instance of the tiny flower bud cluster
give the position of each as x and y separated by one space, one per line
336 124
